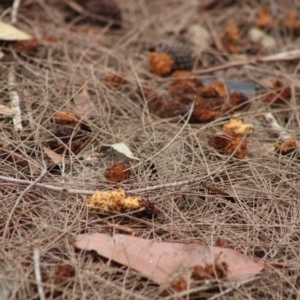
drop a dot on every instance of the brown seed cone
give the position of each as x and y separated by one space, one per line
117 172
160 64
166 108
181 54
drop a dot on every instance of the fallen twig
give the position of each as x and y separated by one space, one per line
282 56
14 11
37 272
15 100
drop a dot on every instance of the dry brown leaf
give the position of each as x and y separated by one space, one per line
66 118
55 157
163 262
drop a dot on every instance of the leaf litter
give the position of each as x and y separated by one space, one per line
184 166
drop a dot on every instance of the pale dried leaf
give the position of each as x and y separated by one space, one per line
4 110
56 158
123 149
11 33
161 261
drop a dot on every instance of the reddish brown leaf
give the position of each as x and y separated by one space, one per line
66 118
163 262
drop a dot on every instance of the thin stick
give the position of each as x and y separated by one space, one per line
225 66
30 185
37 272
14 11
282 56
15 100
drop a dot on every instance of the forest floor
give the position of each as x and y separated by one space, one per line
72 110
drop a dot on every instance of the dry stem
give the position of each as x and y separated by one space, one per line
37 272
15 100
281 56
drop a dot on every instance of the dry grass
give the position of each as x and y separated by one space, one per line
261 218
